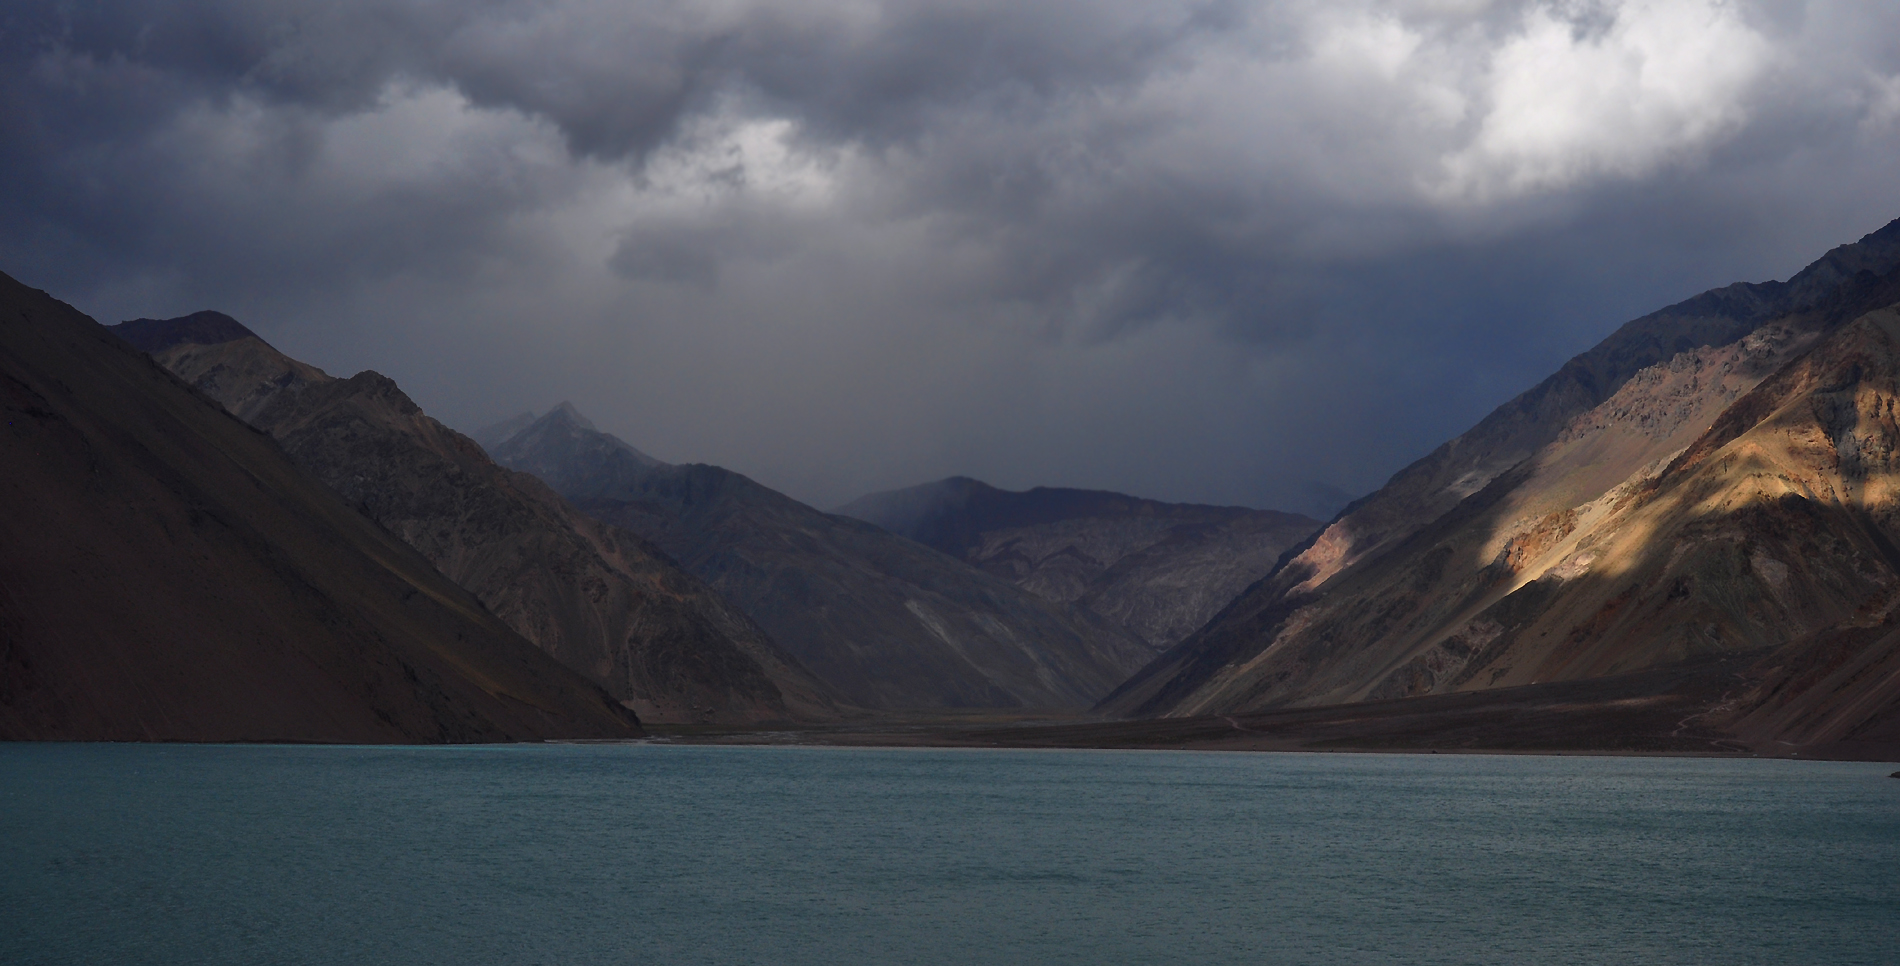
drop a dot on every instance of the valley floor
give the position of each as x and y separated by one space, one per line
1656 712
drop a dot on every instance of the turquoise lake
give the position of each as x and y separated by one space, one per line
580 854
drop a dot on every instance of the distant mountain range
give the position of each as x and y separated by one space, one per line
888 622
1714 481
599 599
1158 569
1686 538
168 574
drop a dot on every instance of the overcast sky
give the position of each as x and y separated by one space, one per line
1223 252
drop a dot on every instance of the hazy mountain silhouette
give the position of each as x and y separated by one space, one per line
888 622
1158 569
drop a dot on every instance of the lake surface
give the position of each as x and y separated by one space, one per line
581 854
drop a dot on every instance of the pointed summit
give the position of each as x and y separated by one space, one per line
567 413
566 423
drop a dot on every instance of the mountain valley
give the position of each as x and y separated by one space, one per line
1688 538
1158 569
888 622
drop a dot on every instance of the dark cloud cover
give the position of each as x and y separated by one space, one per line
1219 251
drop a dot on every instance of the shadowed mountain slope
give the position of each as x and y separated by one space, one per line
890 623
599 599
1158 569
1711 507
167 574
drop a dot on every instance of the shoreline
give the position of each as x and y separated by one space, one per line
1668 712
962 739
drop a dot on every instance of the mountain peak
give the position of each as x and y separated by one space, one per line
198 328
562 422
962 484
566 412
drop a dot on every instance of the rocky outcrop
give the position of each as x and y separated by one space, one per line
1731 501
1158 569
597 598
167 574
890 623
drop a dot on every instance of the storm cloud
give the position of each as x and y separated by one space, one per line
1259 253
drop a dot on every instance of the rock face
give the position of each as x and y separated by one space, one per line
890 623
1732 498
597 598
1158 569
167 574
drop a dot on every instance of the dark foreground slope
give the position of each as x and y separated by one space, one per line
166 573
890 623
1733 502
1158 569
599 599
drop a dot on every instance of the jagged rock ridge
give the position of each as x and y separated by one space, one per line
1158 569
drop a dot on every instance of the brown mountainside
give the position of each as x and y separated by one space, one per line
1158 569
599 599
890 623
1844 284
1832 289
1734 501
166 573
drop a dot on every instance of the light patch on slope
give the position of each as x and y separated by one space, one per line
935 625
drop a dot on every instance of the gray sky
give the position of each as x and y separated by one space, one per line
1222 252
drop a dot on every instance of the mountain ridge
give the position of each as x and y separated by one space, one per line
596 598
1444 603
180 579
1515 429
891 623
